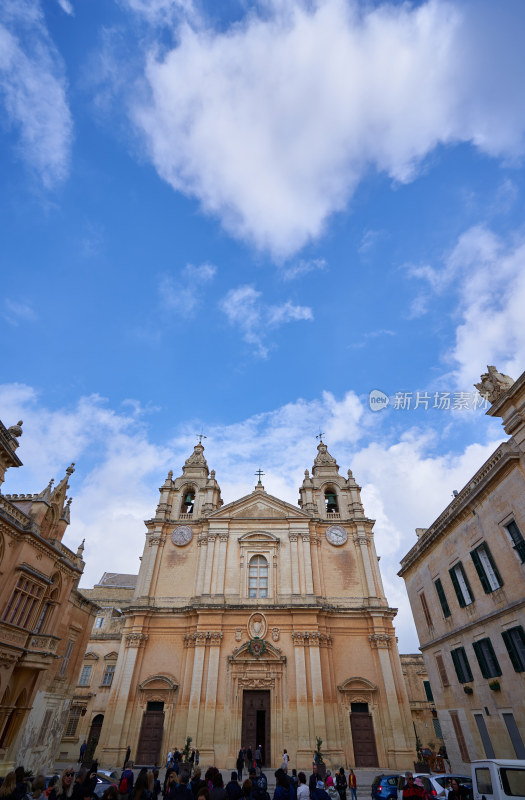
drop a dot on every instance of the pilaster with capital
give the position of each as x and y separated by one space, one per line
307 558
294 563
202 551
220 571
154 542
210 552
361 539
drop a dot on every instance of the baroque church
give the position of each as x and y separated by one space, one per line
259 623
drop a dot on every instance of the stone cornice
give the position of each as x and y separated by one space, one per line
499 460
453 634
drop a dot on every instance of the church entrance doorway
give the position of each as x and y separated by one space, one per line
364 740
150 739
256 719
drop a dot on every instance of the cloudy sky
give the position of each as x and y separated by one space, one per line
241 218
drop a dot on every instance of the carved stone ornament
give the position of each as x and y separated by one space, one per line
257 626
136 639
323 457
493 384
238 634
311 639
203 638
182 535
380 639
257 647
276 634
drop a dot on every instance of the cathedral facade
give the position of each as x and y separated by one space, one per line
259 623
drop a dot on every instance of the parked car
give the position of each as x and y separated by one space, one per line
438 785
103 783
385 786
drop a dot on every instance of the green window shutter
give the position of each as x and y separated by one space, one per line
428 691
442 598
458 666
457 588
513 653
471 593
466 665
482 661
493 564
481 572
493 663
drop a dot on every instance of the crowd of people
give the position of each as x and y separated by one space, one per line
184 781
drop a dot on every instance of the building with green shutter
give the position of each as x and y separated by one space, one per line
465 579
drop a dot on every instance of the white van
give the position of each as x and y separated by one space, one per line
498 779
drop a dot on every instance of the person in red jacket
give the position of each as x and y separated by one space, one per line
412 790
352 785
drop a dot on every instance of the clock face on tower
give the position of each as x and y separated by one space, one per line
182 535
336 535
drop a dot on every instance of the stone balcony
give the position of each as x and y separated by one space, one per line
44 644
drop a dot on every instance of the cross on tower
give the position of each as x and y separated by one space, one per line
259 473
200 437
320 435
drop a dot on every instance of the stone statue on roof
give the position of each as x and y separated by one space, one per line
493 384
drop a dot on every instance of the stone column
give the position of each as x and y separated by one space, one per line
316 677
196 686
147 565
113 748
307 557
208 574
396 743
207 737
202 544
304 740
294 564
362 541
220 571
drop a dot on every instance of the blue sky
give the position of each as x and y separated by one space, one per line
242 217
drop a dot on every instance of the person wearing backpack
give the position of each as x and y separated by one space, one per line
319 793
127 778
259 786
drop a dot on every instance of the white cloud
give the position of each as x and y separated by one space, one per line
405 484
485 278
301 267
159 12
244 308
67 7
33 90
18 312
183 294
273 122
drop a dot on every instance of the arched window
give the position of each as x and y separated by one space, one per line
258 577
330 499
188 501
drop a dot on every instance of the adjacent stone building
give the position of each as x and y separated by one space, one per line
465 579
258 622
113 595
44 620
422 706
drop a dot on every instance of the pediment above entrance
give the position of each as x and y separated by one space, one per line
259 505
357 684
